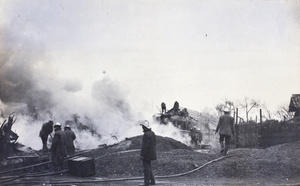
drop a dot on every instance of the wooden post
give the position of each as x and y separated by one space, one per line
237 115
236 129
260 130
260 113
234 115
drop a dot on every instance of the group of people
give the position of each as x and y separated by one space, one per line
174 111
62 142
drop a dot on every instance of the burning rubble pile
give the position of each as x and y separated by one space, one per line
102 116
8 138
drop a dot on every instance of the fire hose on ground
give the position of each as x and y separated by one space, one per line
101 180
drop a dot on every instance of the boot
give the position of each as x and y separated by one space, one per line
222 147
226 149
45 148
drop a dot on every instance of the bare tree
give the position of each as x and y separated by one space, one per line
283 112
248 105
226 104
267 113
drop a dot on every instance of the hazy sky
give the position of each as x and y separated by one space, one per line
195 52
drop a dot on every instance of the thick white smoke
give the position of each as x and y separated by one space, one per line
31 89
31 86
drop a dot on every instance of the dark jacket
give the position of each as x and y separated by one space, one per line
58 146
148 151
225 125
69 138
47 128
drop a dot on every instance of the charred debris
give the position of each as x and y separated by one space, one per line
180 118
8 138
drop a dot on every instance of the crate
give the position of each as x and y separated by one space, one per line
81 166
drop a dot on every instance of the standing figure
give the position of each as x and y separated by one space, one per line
199 136
148 153
70 137
58 148
163 108
225 129
193 134
176 107
47 129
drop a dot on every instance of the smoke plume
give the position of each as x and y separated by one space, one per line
31 88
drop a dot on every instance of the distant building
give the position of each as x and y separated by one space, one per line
295 105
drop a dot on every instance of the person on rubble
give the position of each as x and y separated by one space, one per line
163 108
225 129
70 137
199 136
176 108
58 148
193 134
148 152
46 130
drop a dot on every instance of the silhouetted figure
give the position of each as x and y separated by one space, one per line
69 143
58 148
193 134
175 110
163 108
47 129
225 129
148 152
176 107
184 113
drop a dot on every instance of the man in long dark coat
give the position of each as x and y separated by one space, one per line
148 153
58 148
225 129
70 137
46 130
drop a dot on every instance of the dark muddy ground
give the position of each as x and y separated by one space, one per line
277 165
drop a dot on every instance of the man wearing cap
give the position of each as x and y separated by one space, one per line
148 152
58 148
225 129
70 137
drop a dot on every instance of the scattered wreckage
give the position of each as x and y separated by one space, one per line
8 138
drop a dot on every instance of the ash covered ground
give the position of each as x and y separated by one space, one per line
274 165
279 162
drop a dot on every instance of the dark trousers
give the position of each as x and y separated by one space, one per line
58 162
227 140
44 141
148 173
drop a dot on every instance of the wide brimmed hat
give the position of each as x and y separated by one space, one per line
145 123
57 124
226 110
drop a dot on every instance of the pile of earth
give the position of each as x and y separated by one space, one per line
279 162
